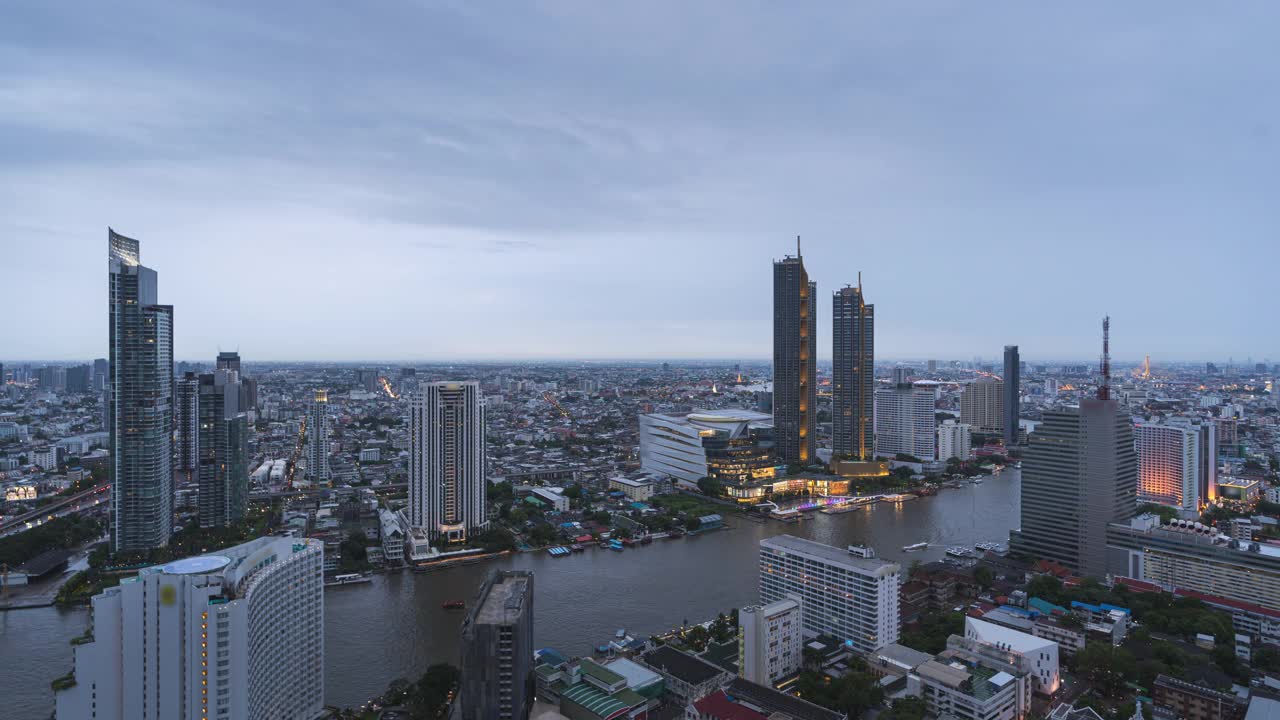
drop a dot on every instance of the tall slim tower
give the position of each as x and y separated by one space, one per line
223 450
140 401
186 436
795 355
448 477
853 373
1012 394
1080 473
497 650
318 438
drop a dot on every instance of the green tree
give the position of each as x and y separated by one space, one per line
907 708
1108 666
984 576
710 487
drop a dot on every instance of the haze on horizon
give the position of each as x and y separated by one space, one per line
573 180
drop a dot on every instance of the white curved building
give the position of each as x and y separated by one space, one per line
732 445
235 635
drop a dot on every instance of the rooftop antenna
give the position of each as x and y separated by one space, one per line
1104 390
859 282
797 246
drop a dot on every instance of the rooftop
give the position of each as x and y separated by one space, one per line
834 555
201 565
504 599
683 666
770 701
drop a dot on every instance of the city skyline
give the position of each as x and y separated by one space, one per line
541 174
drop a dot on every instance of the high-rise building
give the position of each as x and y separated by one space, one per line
447 460
228 361
770 641
100 368
982 405
795 357
852 374
318 438
140 401
248 387
239 634
223 450
497 649
1012 401
79 378
932 366
1169 465
905 419
852 597
954 441
186 438
1079 474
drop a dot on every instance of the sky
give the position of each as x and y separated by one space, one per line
458 180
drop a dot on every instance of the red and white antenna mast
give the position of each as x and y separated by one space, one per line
1104 390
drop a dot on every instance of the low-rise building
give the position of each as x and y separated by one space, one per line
392 535
1174 698
636 490
1036 656
974 680
687 677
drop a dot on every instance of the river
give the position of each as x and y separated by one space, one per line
394 626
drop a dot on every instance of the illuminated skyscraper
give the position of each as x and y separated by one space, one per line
795 355
223 450
318 438
852 373
1012 394
139 401
448 477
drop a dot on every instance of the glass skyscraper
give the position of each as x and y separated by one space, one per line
140 401
852 373
1012 394
795 356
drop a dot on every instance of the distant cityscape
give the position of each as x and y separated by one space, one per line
221 519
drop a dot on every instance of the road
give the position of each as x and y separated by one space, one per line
79 502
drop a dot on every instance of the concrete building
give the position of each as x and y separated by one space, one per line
448 473
235 635
1169 466
318 438
186 436
795 358
770 638
734 447
852 598
853 374
392 535
497 649
687 678
1079 475
222 450
905 420
1181 700
982 405
45 458
954 440
1035 656
139 401
974 681
635 490
1012 400
1187 555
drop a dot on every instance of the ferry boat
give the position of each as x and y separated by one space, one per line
987 546
558 551
959 551
577 547
916 547
615 545
347 579
453 605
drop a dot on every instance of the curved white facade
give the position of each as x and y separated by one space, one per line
234 635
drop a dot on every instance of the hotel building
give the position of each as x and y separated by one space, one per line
770 639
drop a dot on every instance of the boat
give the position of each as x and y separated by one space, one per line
959 551
916 547
576 547
347 579
977 480
987 546
453 605
675 534
646 540
615 545
558 551
622 633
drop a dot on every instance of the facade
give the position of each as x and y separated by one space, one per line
905 420
1079 475
1185 555
1012 400
795 357
734 447
770 639
219 637
852 374
448 475
1169 466
974 680
954 440
222 450
635 490
1035 656
850 597
186 436
318 438
497 649
139 401
1174 698
982 405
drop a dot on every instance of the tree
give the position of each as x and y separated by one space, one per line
692 523
429 697
1108 666
710 487
907 708
354 556
984 576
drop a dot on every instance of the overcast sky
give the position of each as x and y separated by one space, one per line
427 181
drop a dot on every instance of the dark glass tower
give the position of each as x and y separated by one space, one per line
1012 394
794 358
497 649
140 401
852 373
223 449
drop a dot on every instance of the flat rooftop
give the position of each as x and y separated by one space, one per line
504 601
834 555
